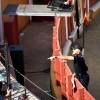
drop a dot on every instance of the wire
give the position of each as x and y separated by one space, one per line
31 81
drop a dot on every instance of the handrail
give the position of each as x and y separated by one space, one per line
63 73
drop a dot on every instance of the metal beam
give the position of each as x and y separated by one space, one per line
33 10
1 26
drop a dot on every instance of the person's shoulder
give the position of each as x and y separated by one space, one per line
78 56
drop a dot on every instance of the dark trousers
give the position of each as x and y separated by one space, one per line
84 79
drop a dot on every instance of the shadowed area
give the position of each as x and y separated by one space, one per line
37 44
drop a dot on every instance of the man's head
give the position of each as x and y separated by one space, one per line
76 49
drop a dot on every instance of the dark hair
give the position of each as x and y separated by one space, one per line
77 47
22 97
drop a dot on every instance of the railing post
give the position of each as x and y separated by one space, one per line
63 80
57 67
56 20
70 91
7 65
55 31
81 94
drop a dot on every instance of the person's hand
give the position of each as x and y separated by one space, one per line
6 97
8 92
74 75
51 58
67 2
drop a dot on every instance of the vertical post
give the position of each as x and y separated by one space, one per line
30 2
83 39
83 28
1 29
81 94
66 28
83 34
7 65
77 18
25 84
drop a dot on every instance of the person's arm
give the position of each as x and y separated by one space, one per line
8 94
66 57
62 57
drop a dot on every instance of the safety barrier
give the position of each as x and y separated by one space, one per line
63 73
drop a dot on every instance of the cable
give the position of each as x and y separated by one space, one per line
31 81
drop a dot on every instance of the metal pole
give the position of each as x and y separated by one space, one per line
7 65
1 28
83 35
77 18
25 85
83 39
31 2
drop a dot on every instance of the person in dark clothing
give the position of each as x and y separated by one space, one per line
79 64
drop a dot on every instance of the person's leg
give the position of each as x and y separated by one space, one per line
85 80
